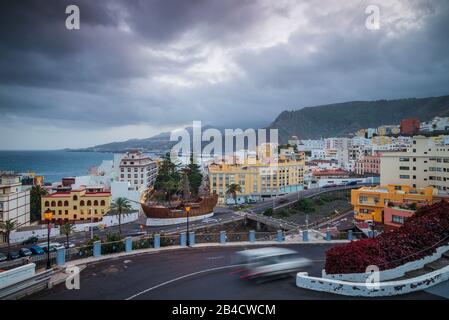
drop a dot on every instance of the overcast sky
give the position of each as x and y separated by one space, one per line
136 68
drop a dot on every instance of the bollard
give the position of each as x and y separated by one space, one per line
222 237
280 236
191 238
128 244
252 236
182 239
60 257
157 241
328 235
97 248
305 235
350 235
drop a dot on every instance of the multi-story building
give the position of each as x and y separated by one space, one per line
436 124
138 169
368 165
388 130
422 165
77 205
369 202
14 201
409 126
257 181
309 145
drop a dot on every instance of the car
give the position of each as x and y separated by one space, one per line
31 240
269 262
13 255
283 200
35 249
3 257
209 220
25 252
69 245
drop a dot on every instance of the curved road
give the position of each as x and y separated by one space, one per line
194 273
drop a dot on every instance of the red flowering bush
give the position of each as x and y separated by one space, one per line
420 235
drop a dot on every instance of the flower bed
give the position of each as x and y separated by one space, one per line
418 237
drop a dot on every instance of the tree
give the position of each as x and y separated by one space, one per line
67 229
195 176
122 206
7 227
36 194
168 177
233 189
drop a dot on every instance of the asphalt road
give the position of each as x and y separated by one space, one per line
197 274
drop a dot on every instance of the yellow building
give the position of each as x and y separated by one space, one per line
77 205
369 202
259 180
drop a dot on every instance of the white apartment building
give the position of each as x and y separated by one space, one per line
309 145
138 169
424 164
14 201
436 124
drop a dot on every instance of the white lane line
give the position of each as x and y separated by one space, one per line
179 278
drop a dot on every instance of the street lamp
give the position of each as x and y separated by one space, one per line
373 225
48 216
188 211
91 223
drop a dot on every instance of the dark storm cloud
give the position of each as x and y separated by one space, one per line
228 63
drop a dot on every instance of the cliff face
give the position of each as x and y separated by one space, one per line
343 118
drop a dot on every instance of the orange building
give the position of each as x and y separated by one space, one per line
369 202
77 205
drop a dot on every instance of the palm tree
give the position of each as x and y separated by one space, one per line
233 189
67 229
7 227
36 194
121 205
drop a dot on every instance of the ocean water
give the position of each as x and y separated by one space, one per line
54 165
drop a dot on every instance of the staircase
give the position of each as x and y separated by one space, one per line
430 267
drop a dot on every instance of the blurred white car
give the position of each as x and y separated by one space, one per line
269 262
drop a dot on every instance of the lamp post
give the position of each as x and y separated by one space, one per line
188 238
48 215
373 225
91 223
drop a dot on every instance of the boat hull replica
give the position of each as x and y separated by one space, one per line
158 215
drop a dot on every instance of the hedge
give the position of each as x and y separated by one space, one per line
418 237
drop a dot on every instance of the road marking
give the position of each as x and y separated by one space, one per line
179 278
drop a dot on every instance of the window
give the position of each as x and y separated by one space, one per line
404 159
59 203
66 203
397 219
89 203
82 203
103 203
47 204
53 203
95 202
404 176
404 168
75 198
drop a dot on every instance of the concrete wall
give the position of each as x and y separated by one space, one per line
390 273
166 222
108 221
39 231
361 289
18 274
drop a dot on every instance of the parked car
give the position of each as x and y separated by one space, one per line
13 255
37 250
69 245
351 183
31 240
3 257
25 252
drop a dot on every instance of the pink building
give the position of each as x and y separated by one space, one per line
394 217
369 164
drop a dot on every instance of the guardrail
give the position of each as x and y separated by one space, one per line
23 288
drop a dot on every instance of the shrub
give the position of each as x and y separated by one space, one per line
420 235
268 212
305 205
